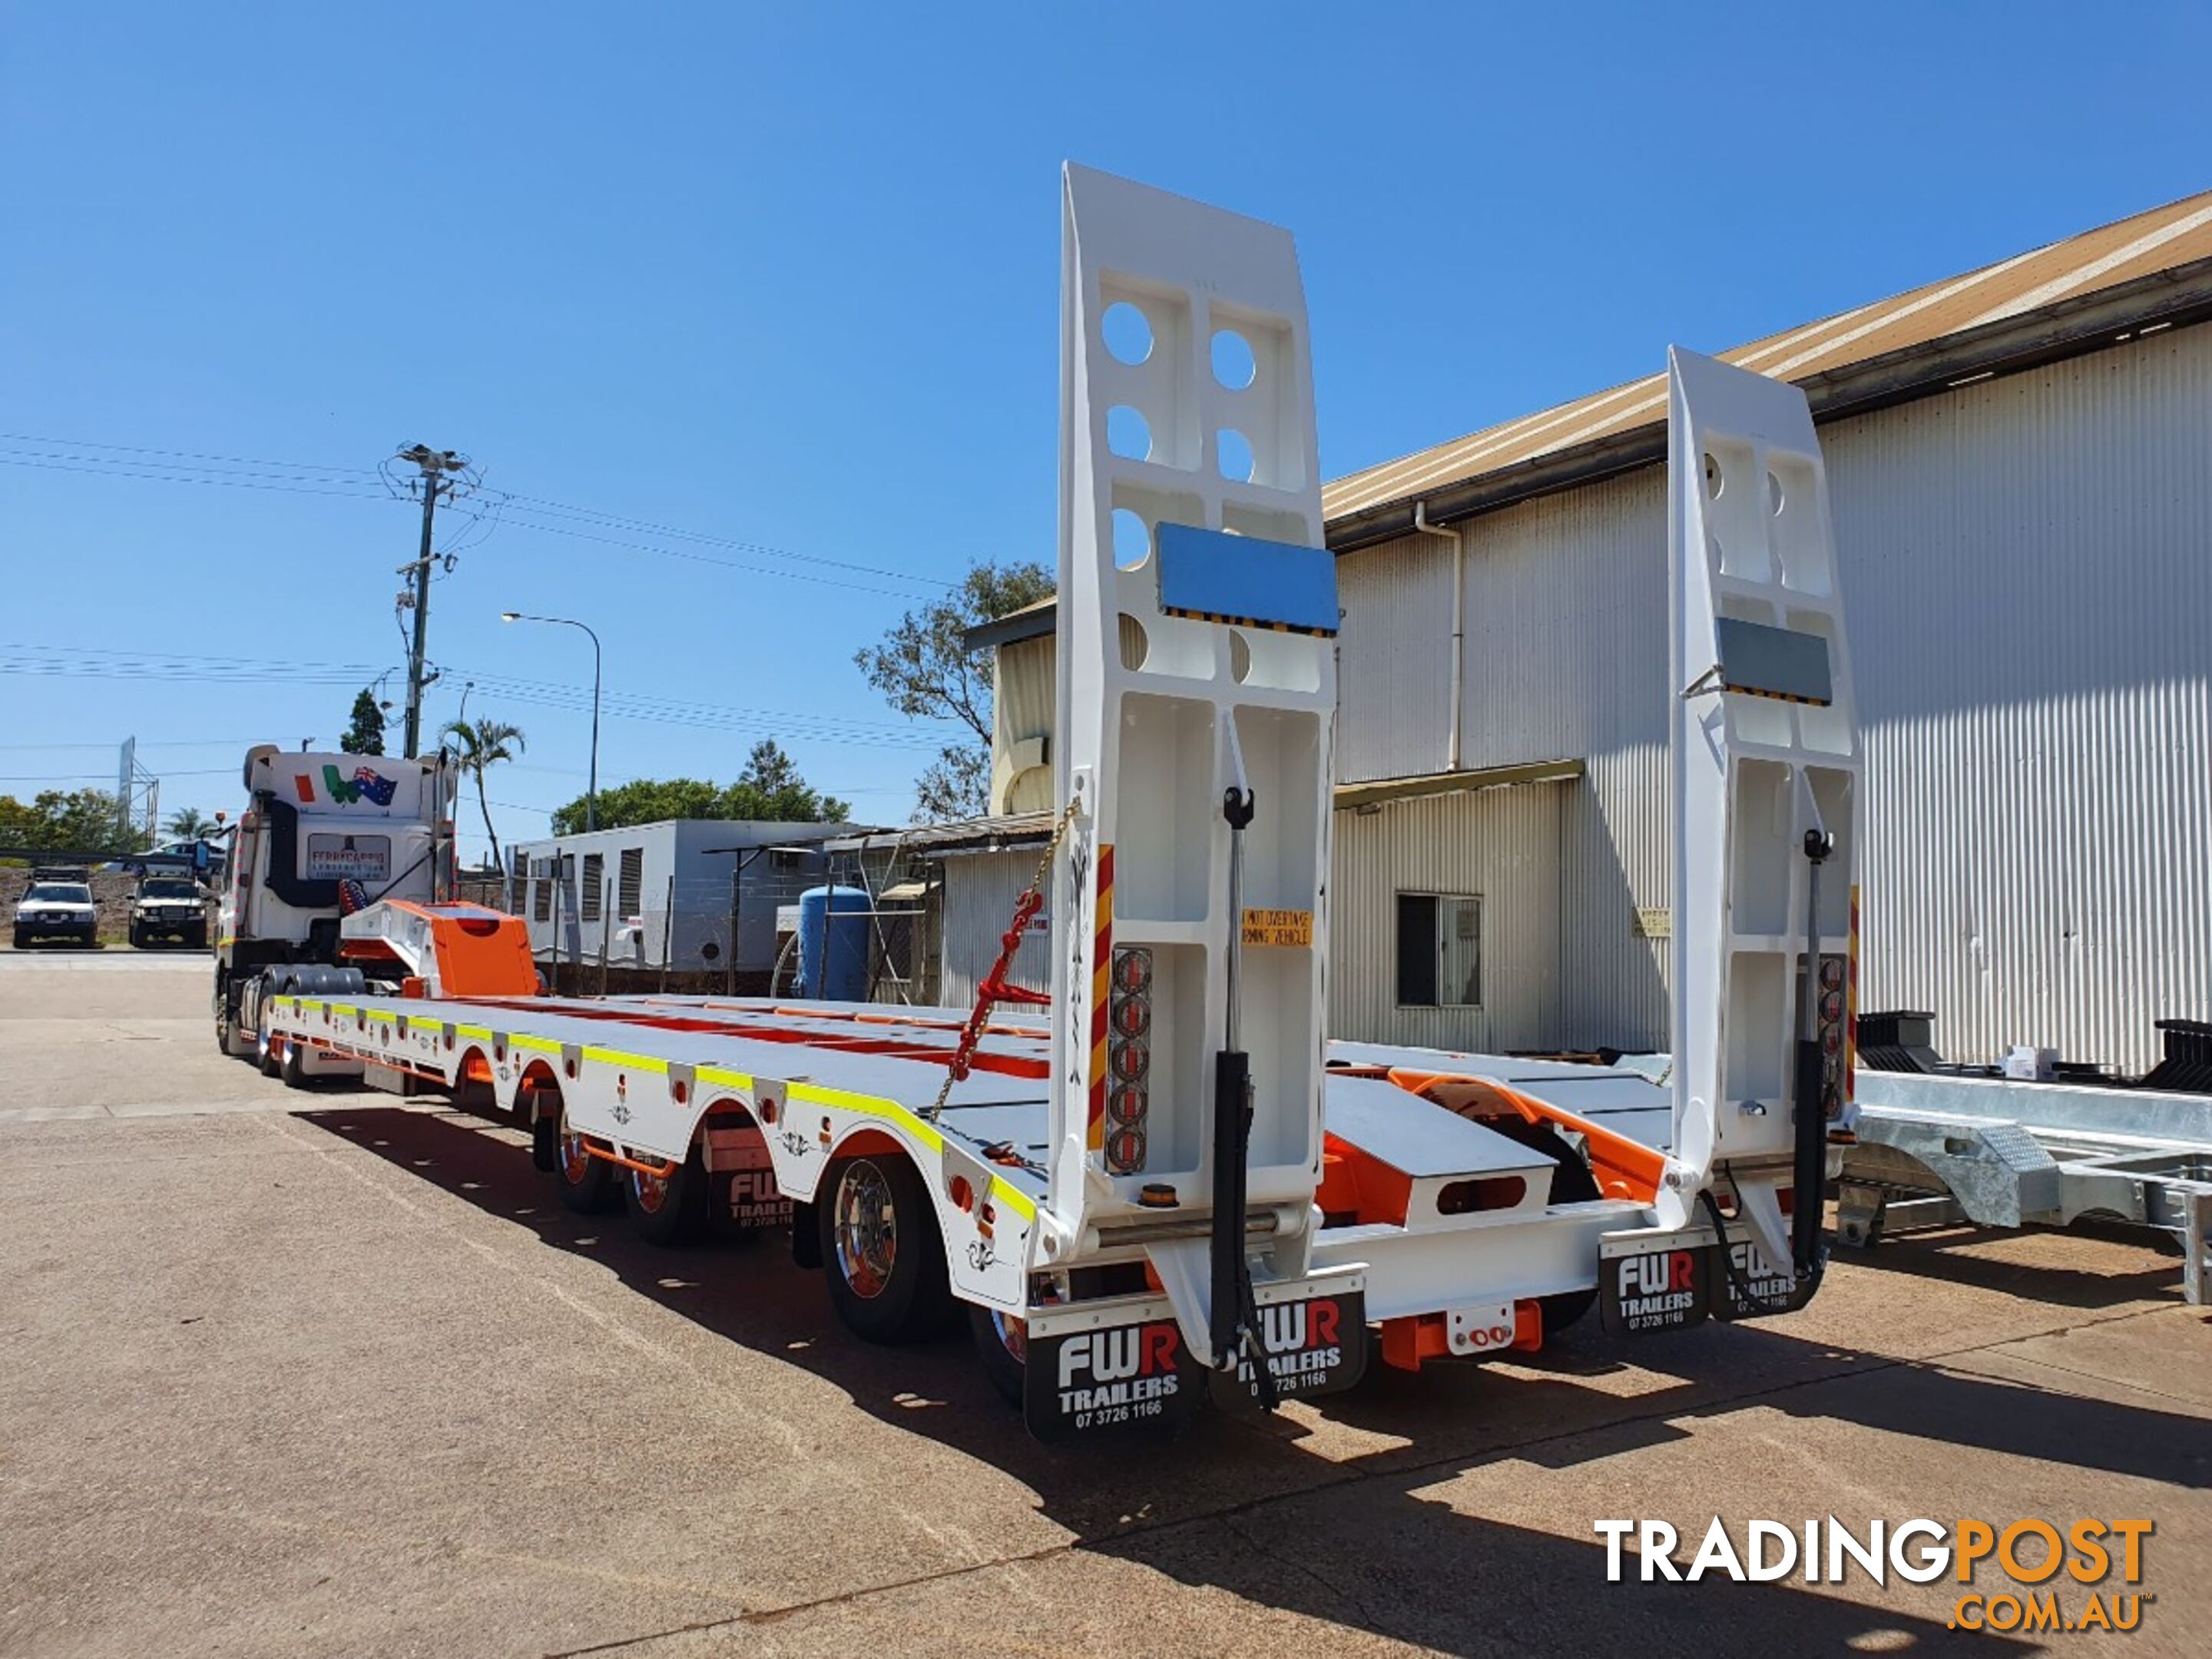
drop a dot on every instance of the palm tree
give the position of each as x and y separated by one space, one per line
483 743
188 824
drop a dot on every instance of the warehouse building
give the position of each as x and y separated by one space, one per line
2019 465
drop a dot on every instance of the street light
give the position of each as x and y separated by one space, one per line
592 799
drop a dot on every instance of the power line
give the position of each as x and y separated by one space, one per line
309 478
178 742
124 663
108 778
110 663
159 477
181 454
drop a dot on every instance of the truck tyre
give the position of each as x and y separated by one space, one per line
22 940
276 982
294 1070
588 1184
1002 1344
1571 1184
223 1033
138 938
668 1210
881 1250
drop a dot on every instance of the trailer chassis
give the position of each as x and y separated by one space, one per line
1935 1151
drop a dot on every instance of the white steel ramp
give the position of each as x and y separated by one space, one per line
1766 768
1197 705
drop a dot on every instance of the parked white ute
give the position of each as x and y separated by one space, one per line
57 909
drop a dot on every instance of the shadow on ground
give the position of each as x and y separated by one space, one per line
1348 1536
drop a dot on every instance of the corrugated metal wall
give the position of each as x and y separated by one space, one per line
2030 571
978 902
2028 564
1500 845
1021 709
1566 658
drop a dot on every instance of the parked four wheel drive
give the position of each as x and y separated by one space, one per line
57 909
168 907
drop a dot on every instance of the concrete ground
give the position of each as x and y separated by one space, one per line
329 1373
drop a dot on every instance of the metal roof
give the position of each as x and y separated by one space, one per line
1032 621
2147 271
985 834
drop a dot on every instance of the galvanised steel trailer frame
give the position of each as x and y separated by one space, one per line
1170 1185
1934 1150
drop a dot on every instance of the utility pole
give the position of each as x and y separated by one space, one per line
435 465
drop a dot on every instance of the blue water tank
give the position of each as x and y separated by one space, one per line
833 943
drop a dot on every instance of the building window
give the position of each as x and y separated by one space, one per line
595 869
1439 950
541 899
629 883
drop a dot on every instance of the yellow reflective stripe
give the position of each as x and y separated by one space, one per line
1013 1198
918 1128
616 1057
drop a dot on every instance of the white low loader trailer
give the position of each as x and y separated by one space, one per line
1170 1185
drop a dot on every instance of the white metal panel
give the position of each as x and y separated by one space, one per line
1757 779
1149 739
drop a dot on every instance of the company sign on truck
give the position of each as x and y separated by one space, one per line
349 858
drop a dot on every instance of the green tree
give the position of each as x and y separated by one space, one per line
956 785
925 670
366 735
69 821
642 801
188 824
769 787
481 744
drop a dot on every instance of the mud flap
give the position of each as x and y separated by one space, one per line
1316 1345
1753 1287
1651 1282
1092 1385
1660 1281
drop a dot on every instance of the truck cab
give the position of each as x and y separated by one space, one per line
322 835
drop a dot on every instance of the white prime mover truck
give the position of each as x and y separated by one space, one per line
1170 1184
321 836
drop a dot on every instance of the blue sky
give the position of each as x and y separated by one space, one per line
783 282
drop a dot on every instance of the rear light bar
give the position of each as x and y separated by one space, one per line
1129 1060
1832 1026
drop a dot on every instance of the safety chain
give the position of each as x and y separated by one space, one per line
994 989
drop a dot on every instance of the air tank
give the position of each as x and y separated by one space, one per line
833 943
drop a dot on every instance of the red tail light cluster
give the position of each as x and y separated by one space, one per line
1832 1025
1128 1058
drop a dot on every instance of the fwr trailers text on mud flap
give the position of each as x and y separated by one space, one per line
1170 1186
